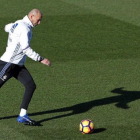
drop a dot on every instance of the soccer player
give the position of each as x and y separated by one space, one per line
12 61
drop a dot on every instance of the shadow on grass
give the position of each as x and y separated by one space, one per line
122 99
98 130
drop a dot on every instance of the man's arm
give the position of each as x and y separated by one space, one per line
8 27
24 42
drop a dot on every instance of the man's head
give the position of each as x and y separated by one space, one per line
35 17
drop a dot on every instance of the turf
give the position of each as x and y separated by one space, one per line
94 50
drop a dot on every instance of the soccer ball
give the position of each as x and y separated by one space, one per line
86 126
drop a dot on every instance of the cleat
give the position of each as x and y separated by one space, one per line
26 120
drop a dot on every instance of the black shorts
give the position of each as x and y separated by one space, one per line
8 70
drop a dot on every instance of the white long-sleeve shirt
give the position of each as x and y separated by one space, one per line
18 45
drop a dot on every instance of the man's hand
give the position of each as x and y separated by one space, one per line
46 62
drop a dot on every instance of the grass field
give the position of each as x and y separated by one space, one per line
94 48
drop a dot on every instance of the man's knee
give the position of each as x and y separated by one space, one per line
30 86
33 86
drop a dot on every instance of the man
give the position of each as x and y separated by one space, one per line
12 61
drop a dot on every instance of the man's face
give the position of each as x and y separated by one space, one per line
36 19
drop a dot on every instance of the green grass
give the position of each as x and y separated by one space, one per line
94 50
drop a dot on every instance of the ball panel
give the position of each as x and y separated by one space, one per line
91 125
85 122
80 127
86 130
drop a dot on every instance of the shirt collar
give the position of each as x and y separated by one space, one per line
27 20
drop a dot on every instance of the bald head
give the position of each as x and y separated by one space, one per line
34 12
35 16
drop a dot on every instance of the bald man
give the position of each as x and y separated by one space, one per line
13 60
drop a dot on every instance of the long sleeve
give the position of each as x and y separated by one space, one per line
18 44
8 27
25 45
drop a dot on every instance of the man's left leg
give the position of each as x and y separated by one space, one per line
23 75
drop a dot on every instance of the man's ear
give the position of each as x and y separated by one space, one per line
31 17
